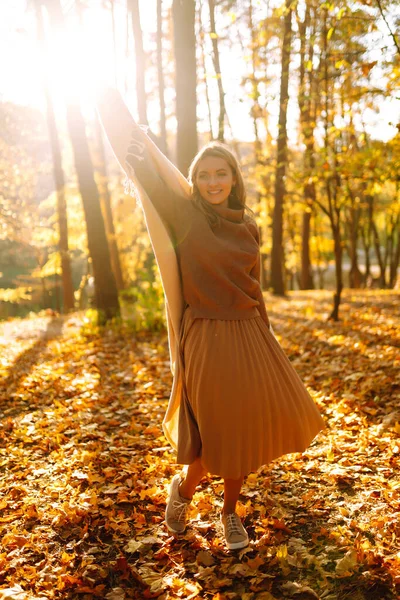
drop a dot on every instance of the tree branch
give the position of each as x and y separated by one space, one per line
387 25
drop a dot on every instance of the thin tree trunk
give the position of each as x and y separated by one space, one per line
183 12
133 7
366 232
255 109
355 275
305 99
395 258
105 203
160 76
394 264
217 67
332 182
66 275
204 70
114 37
277 260
378 253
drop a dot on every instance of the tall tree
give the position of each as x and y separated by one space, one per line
104 192
66 275
133 7
277 256
332 180
160 76
183 13
204 69
306 98
105 203
218 74
106 294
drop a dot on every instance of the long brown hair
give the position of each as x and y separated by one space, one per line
237 197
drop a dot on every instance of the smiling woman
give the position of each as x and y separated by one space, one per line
236 401
214 180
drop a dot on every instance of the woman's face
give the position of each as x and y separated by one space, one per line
214 180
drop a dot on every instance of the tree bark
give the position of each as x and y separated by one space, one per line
183 12
355 275
203 67
332 180
66 275
307 129
217 68
105 203
133 7
105 285
277 261
160 76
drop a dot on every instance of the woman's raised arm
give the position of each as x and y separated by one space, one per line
129 144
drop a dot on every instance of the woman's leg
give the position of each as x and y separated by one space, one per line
235 534
194 475
232 489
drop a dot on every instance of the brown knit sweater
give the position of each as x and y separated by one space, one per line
219 265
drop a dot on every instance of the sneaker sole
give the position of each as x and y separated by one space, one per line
238 545
174 530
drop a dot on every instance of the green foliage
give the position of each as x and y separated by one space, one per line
142 305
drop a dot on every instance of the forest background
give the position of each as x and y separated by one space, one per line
305 92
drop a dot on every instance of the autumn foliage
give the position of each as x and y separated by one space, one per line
85 466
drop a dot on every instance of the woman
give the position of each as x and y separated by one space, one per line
241 404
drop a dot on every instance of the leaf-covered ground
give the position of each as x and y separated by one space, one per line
84 467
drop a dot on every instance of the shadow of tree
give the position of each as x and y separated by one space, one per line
24 364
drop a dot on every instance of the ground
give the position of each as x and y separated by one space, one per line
84 467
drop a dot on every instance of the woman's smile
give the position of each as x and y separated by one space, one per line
215 180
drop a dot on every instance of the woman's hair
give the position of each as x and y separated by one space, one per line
237 197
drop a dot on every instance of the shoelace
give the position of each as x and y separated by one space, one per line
180 509
233 524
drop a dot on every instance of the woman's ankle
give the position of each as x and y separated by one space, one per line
228 509
182 492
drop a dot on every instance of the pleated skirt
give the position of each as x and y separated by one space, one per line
243 397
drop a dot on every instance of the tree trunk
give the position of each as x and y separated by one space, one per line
332 180
160 76
204 70
105 285
382 281
105 203
277 275
66 275
355 275
217 68
395 256
183 12
133 8
338 268
106 290
366 238
307 129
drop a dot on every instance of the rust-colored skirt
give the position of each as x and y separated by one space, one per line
244 404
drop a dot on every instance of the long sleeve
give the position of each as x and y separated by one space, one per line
256 273
128 143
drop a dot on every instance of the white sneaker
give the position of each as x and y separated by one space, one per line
175 513
235 534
